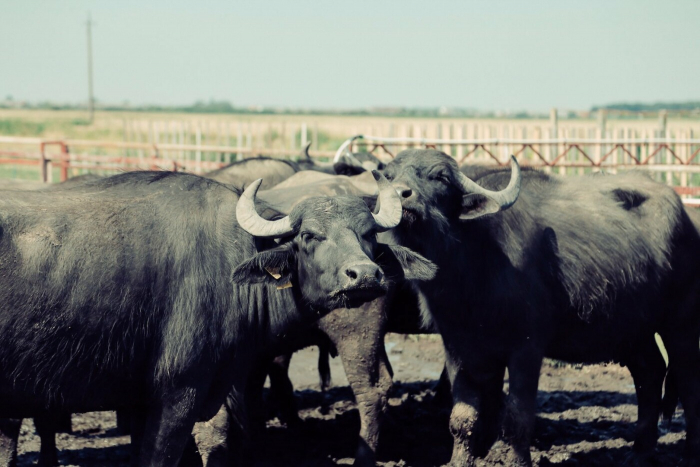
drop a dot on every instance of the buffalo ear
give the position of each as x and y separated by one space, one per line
400 261
474 206
273 266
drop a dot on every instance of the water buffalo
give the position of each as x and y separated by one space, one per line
275 171
243 173
146 290
240 174
356 334
582 269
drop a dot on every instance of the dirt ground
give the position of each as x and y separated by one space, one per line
586 416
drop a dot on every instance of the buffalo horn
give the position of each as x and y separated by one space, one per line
344 149
305 152
250 220
390 210
504 198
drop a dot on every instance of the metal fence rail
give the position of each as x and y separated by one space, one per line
674 161
596 153
123 156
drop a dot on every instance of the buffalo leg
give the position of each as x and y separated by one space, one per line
465 412
477 403
123 421
255 411
488 422
684 357
648 369
46 427
282 389
137 426
670 400
324 367
519 412
442 389
168 427
9 435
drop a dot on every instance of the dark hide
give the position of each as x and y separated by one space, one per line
120 295
670 401
582 269
30 185
360 162
309 184
348 166
241 174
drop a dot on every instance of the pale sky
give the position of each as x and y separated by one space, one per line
487 55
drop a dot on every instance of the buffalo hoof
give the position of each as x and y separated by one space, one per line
462 461
47 459
191 457
516 460
365 456
64 423
690 461
635 459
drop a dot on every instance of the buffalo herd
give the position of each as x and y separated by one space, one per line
170 297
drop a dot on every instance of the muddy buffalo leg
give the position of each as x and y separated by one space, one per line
465 411
519 412
488 423
9 435
648 369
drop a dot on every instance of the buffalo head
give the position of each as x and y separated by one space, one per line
433 190
331 254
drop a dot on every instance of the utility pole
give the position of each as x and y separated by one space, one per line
91 97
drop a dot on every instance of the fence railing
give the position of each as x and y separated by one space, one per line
673 161
117 156
659 153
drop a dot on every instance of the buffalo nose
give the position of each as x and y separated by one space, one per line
363 274
404 192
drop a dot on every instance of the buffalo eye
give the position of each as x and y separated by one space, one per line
369 236
309 237
440 176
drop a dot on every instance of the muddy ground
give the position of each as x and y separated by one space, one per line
586 416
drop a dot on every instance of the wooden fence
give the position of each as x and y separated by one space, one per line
290 133
669 149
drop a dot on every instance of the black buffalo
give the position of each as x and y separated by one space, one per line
583 269
242 173
274 171
356 334
143 290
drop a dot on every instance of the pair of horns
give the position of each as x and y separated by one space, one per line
388 217
504 198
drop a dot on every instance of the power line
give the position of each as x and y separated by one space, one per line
91 97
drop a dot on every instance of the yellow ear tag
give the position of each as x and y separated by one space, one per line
284 286
274 272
